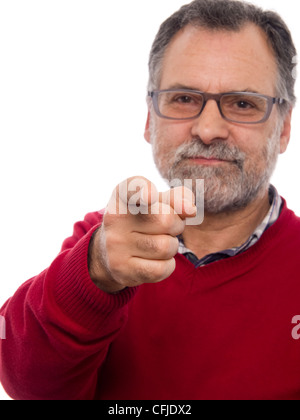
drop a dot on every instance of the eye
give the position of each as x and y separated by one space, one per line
183 99
244 104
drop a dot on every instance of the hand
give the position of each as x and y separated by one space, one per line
138 240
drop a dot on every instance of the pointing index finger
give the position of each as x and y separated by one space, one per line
134 195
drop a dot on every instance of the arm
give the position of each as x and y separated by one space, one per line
59 326
61 323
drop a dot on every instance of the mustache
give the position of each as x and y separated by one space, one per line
218 150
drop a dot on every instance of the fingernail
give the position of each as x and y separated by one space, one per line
189 207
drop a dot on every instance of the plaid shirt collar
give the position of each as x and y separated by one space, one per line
272 216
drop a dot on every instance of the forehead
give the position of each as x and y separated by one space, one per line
220 61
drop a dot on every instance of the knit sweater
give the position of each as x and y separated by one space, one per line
219 332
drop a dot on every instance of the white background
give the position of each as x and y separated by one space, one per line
73 76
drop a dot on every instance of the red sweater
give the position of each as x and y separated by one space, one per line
223 331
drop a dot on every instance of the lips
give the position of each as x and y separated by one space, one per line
218 154
211 160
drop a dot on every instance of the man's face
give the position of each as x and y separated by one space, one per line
235 160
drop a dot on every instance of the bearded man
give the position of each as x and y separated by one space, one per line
143 304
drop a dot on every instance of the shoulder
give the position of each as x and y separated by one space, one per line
288 217
287 228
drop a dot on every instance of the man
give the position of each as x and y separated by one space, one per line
147 305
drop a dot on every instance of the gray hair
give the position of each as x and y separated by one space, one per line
230 15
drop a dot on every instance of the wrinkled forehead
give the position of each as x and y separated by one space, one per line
220 60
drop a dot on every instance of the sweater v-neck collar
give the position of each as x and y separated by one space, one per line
226 269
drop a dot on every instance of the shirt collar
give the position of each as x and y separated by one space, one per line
272 216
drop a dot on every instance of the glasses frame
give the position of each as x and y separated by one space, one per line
216 97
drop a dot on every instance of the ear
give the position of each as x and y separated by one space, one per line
286 132
147 134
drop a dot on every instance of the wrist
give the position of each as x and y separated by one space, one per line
99 274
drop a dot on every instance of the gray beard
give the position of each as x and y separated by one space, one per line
229 187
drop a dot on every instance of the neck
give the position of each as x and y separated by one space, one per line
226 230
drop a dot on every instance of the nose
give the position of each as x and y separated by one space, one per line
210 125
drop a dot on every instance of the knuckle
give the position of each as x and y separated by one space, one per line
167 246
147 244
160 246
164 245
166 269
143 272
155 271
146 273
160 270
167 222
173 224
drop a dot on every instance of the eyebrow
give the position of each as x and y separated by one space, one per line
179 86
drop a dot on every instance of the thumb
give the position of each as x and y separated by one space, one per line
182 200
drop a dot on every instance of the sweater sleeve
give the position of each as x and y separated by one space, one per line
59 327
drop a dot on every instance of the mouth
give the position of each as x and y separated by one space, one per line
201 160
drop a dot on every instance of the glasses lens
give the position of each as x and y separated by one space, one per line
180 105
247 108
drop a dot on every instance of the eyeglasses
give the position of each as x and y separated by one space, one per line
237 107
